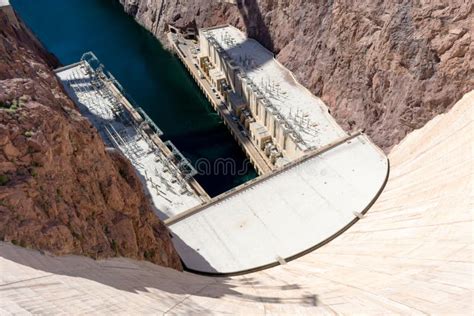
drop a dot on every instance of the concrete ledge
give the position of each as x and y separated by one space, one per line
4 3
60 69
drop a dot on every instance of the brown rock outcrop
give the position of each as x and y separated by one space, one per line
385 66
61 190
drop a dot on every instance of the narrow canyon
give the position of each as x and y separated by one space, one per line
386 67
61 190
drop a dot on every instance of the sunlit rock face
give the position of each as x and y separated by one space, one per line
61 190
385 66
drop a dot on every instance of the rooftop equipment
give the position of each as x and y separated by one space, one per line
149 121
183 164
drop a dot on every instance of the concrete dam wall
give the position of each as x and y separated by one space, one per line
411 253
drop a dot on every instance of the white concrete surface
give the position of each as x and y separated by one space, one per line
169 192
411 254
306 113
285 214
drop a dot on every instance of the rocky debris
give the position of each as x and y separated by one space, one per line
385 66
61 190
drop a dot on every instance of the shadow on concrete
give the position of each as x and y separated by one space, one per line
191 255
255 22
141 276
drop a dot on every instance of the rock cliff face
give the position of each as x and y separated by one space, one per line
61 190
385 66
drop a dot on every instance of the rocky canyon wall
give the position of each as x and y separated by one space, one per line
61 190
385 66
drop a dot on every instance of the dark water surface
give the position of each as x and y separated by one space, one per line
151 75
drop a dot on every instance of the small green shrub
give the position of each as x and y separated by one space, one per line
3 179
12 105
36 164
76 235
115 247
149 254
106 229
33 173
23 99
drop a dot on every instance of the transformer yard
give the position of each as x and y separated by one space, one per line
164 171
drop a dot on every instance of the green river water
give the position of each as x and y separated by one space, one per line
155 78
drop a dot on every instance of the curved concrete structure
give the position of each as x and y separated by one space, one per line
279 216
411 253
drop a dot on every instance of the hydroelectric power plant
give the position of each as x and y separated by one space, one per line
306 161
329 224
